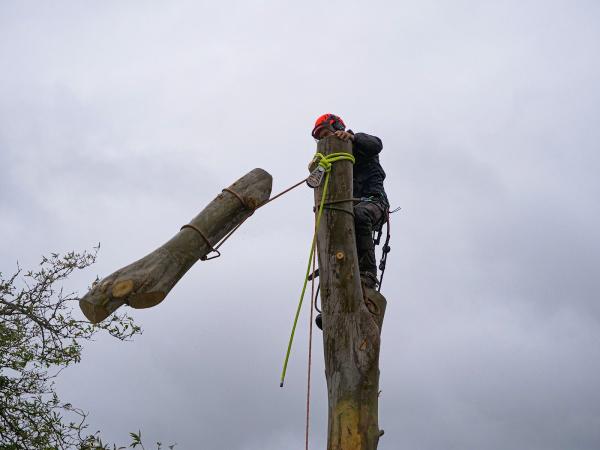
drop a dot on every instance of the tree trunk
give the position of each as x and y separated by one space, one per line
146 282
352 317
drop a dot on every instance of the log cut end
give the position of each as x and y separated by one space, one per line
98 306
100 302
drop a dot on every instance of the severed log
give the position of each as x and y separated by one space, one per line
146 282
352 317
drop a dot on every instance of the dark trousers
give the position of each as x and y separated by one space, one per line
368 216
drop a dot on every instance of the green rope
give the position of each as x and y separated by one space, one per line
326 162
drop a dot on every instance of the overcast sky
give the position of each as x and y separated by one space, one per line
119 121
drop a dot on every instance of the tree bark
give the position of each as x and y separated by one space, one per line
352 317
146 282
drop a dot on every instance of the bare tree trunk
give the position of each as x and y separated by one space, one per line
146 282
352 318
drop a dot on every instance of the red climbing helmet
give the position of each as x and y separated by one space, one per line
328 121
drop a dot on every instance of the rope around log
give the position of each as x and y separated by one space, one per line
323 161
212 249
228 235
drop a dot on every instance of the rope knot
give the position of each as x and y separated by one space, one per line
326 162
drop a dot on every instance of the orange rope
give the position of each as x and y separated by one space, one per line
215 248
243 202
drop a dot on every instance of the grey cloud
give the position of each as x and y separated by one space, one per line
119 122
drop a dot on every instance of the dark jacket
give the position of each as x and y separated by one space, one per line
368 173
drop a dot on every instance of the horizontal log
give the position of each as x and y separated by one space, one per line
146 282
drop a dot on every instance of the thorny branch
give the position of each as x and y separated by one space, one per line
39 337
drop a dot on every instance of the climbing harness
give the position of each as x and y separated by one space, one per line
326 162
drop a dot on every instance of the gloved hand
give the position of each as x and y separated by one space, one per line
344 135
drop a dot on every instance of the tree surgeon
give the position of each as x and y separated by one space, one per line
370 212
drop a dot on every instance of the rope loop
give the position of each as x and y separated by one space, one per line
326 162
242 200
214 250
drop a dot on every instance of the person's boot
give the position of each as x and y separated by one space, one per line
369 279
319 321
